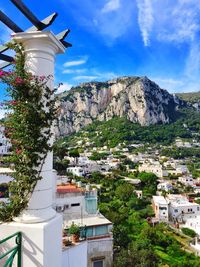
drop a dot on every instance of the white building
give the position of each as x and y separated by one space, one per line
139 193
83 160
5 144
161 209
179 169
78 205
179 209
194 224
186 180
77 171
180 143
153 167
165 186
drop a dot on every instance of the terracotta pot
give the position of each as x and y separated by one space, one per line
66 242
75 238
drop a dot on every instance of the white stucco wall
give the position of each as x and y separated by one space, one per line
100 248
75 256
41 242
182 211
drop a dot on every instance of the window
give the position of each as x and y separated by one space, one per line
162 208
175 210
75 204
89 231
98 263
66 207
101 230
59 208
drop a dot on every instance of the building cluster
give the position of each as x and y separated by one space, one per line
174 208
83 166
87 234
78 205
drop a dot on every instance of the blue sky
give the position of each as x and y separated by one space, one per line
111 38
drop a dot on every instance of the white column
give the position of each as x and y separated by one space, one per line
40 226
40 49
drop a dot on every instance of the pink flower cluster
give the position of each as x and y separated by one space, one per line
13 102
19 81
5 73
18 151
42 78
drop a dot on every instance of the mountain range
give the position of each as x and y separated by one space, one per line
138 99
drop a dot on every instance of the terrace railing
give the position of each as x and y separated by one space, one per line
8 256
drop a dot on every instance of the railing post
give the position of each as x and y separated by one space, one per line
10 254
19 243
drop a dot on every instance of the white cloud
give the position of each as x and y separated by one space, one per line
192 67
111 5
177 85
70 71
169 84
181 23
78 62
145 19
108 19
104 75
85 77
97 75
64 87
178 23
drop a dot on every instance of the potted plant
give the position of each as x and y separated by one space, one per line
66 242
74 230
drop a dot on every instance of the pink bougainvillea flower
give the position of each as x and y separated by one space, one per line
5 73
42 78
2 73
19 81
18 151
13 102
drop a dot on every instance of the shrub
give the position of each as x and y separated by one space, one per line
189 232
74 229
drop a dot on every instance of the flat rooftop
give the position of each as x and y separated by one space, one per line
88 221
6 170
160 200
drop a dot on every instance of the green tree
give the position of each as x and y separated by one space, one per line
124 191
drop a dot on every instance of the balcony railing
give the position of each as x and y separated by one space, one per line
8 256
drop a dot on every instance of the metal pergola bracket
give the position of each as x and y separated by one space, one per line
40 25
37 26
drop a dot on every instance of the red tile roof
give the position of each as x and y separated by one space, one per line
68 188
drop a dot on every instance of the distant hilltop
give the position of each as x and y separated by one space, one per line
137 98
193 98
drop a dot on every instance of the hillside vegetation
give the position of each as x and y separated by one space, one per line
189 97
119 130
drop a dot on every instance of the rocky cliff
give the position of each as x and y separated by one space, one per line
137 98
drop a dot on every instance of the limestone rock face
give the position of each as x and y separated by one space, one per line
137 98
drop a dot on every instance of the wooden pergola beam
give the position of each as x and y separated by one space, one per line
61 36
40 25
9 23
6 58
4 65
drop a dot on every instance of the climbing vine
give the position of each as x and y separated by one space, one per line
31 112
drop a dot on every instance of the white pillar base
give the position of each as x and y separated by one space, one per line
41 242
35 216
